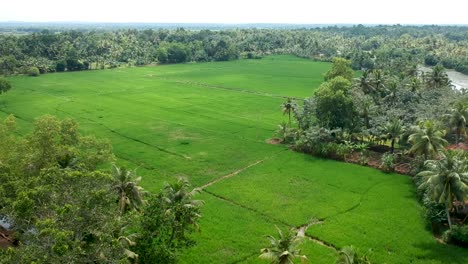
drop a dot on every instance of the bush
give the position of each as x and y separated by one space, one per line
60 66
388 162
5 85
33 71
434 212
458 235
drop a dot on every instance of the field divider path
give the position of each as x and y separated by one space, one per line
236 89
232 174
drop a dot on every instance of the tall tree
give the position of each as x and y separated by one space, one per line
129 192
446 179
393 130
288 107
427 139
457 118
437 78
340 67
334 105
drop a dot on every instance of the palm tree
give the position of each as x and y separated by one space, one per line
288 107
126 185
457 119
414 84
348 255
437 78
364 82
393 130
427 139
446 179
180 203
283 250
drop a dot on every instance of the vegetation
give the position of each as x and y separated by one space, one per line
446 179
283 250
206 121
5 85
61 206
390 47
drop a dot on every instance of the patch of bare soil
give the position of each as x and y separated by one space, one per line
274 141
6 238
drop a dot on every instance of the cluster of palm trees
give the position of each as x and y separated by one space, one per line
445 179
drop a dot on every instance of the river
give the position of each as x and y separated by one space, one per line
459 80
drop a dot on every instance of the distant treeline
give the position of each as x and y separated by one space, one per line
368 47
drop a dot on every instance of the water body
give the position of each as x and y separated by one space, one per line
459 80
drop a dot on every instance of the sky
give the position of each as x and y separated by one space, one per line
239 11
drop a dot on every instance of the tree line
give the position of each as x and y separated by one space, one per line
367 47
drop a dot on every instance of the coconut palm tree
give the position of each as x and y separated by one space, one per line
427 139
284 249
393 130
126 185
457 118
288 107
348 255
180 203
437 78
446 179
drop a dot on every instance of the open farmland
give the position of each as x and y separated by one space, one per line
210 120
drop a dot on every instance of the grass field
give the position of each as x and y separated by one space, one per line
205 121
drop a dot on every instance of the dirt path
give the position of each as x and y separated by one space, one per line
231 174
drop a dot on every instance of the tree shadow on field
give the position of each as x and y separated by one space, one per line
442 253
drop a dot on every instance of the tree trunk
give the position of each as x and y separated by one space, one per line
393 145
289 113
447 211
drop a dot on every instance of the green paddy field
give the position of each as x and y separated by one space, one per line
209 122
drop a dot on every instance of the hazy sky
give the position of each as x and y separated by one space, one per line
239 11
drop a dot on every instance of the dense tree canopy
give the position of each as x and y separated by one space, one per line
390 47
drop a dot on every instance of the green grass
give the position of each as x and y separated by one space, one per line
207 120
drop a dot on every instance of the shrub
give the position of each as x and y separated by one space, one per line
433 211
388 162
458 235
5 85
286 134
33 71
60 66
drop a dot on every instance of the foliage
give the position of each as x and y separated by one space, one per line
393 130
5 85
167 220
457 235
33 71
340 68
57 200
334 106
284 249
388 162
129 192
289 107
446 179
287 134
457 119
427 139
348 255
434 211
